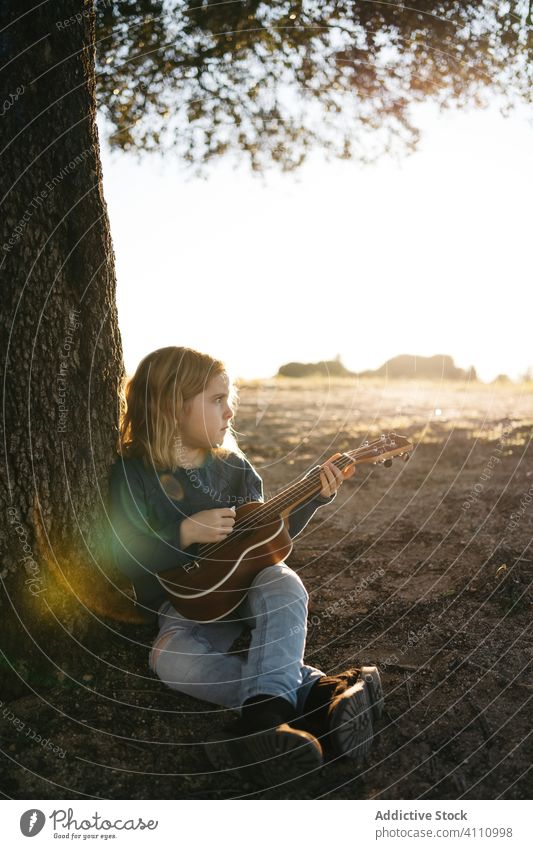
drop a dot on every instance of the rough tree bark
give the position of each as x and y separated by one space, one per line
61 346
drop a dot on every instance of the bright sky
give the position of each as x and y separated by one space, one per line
425 257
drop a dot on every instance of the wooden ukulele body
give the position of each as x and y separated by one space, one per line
212 586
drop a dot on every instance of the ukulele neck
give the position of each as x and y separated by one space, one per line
286 501
378 451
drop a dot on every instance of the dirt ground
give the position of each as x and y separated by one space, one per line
424 568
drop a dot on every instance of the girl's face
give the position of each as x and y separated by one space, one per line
207 415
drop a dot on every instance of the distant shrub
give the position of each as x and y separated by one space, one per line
438 367
324 368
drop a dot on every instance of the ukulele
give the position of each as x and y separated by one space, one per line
216 582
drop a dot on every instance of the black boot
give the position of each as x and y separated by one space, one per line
340 710
263 711
262 743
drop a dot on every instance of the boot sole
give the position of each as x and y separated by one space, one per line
276 754
373 681
352 730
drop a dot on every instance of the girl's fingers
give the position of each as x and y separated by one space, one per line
336 474
329 481
331 477
325 484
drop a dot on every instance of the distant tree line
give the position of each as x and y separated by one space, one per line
437 367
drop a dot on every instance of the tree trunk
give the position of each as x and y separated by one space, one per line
60 339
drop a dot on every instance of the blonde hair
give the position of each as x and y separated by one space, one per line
152 400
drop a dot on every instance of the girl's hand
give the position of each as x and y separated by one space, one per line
207 526
331 477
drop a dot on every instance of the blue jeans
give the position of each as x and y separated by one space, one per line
190 656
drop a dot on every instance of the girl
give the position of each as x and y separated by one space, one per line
174 487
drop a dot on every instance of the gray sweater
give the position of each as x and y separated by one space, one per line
147 507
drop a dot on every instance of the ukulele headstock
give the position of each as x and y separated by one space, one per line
383 449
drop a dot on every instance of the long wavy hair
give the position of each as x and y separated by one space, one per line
152 400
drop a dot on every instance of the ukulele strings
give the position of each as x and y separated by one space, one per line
299 488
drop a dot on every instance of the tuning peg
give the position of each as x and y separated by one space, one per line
406 457
387 463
